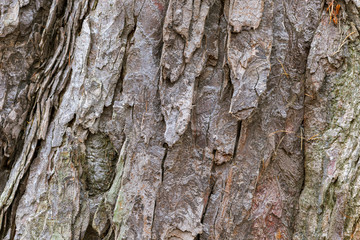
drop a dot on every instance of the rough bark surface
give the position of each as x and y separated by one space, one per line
179 119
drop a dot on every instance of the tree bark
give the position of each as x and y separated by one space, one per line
179 119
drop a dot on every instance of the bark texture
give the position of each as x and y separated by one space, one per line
179 119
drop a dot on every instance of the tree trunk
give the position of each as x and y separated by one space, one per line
179 119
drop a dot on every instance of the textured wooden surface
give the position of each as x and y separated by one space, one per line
179 119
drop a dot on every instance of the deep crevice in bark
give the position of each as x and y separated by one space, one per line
9 218
212 186
165 145
238 134
153 215
91 234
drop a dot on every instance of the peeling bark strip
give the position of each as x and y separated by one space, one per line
249 53
179 119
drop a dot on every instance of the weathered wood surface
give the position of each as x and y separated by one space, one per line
179 119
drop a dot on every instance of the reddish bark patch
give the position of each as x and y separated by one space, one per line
159 5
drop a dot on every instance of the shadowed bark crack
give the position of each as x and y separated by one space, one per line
163 162
238 135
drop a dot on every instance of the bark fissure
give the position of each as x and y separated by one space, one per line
163 162
207 200
238 135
